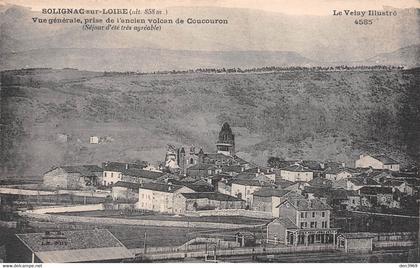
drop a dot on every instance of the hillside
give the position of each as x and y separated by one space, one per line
299 114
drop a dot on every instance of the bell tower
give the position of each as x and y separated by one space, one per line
226 142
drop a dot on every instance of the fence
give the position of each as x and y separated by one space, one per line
235 252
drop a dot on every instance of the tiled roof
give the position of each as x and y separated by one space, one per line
119 166
85 255
85 170
126 184
268 192
249 182
393 183
211 196
359 181
235 168
70 240
202 166
375 190
141 173
306 205
284 183
357 235
245 176
286 222
386 160
161 187
296 168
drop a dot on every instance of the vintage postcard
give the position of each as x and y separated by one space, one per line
144 131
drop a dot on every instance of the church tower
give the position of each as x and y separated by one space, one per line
226 142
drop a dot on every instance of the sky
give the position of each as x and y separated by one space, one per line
296 7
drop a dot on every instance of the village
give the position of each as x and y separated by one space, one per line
220 206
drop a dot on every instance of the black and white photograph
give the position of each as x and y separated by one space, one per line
145 131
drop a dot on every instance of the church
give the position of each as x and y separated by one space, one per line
198 162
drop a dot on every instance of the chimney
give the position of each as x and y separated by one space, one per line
361 156
126 166
343 164
322 165
365 181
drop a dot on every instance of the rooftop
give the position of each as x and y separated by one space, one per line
249 182
126 184
75 246
161 187
375 190
211 196
297 168
386 160
85 170
286 222
268 192
306 205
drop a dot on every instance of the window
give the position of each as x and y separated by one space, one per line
353 201
323 214
313 214
325 224
105 174
313 224
191 161
112 174
302 215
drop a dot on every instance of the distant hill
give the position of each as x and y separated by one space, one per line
408 56
252 38
298 114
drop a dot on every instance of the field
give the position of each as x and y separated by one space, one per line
49 115
159 217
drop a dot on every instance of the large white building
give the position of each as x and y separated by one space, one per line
296 172
377 162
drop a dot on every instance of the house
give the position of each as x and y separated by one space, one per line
125 191
302 222
355 242
244 189
341 199
335 174
283 184
377 162
94 140
117 171
267 199
399 184
202 170
81 246
185 202
160 197
73 177
355 183
296 172
379 196
297 186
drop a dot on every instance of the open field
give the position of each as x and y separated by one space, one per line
120 214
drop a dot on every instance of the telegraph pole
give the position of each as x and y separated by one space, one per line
145 243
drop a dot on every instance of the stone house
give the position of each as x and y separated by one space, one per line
244 189
267 199
73 177
302 222
296 172
377 162
185 202
125 191
160 197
